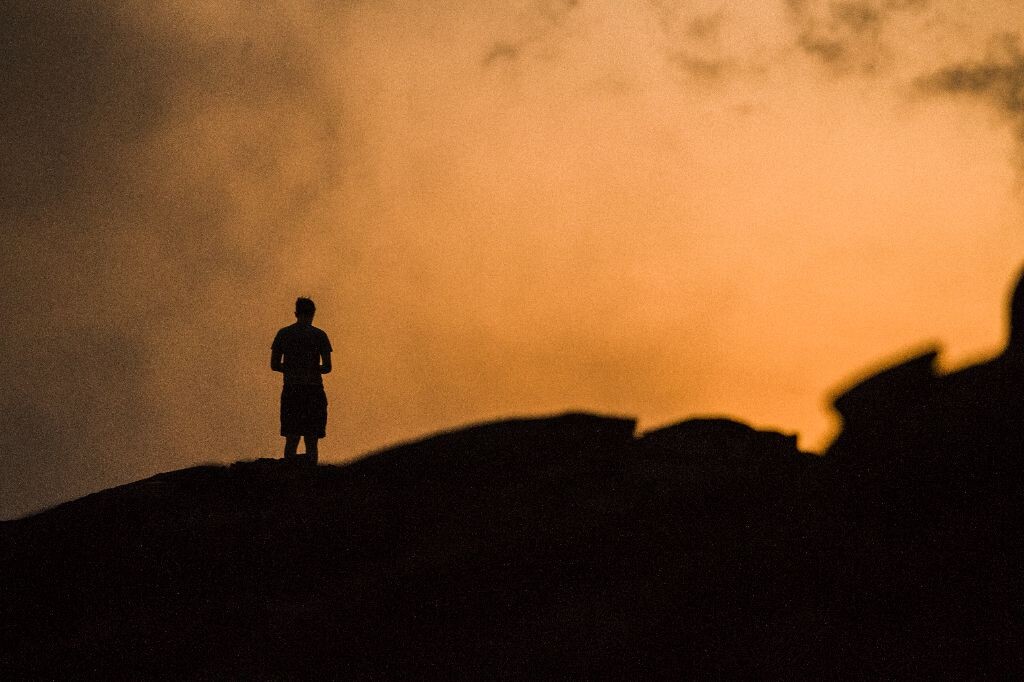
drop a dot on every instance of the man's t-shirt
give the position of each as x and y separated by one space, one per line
302 346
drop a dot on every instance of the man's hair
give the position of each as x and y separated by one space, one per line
304 306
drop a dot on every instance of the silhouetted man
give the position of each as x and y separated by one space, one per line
302 353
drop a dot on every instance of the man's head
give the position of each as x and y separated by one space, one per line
305 309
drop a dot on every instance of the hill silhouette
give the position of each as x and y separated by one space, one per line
557 547
563 545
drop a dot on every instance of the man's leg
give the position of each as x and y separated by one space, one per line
291 445
311 450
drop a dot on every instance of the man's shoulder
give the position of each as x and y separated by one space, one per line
292 331
322 335
301 331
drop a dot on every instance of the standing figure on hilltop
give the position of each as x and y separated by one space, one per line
303 354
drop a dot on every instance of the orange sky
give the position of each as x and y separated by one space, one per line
662 209
565 217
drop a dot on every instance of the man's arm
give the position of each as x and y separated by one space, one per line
275 360
325 362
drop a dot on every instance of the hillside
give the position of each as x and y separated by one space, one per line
561 546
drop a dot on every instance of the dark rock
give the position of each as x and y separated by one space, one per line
719 438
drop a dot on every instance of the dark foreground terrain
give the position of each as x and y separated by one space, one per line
558 547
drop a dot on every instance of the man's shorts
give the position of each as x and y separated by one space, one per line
303 410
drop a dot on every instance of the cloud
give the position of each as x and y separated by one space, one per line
997 79
703 68
693 41
154 164
502 51
537 24
706 26
711 41
696 45
847 36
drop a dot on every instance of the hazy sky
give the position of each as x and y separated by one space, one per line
662 209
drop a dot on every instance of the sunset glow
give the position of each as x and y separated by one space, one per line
664 209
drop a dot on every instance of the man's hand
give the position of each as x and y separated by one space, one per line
275 361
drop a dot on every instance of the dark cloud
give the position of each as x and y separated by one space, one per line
847 36
844 36
555 11
998 79
127 141
500 52
693 42
706 26
77 90
537 24
700 53
70 75
701 68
